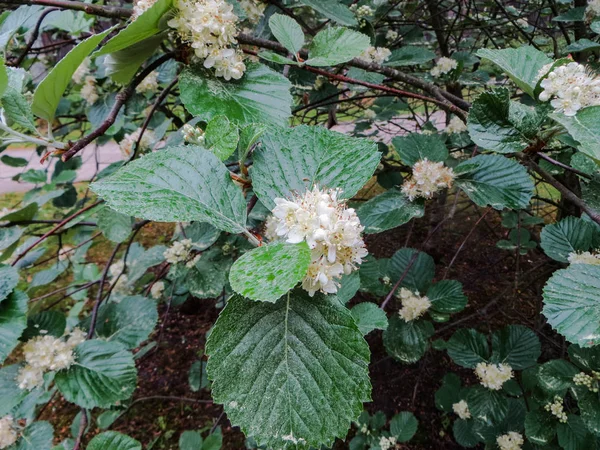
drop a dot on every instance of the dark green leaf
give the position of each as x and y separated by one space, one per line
467 348
416 147
9 277
447 296
368 317
409 56
13 321
407 341
111 440
334 10
388 210
571 234
540 427
517 346
556 376
403 426
418 275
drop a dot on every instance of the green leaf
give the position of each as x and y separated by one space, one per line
268 272
449 393
17 109
48 93
190 440
585 357
334 10
447 296
407 341
287 31
336 45
103 374
467 348
486 404
409 56
522 64
572 303
306 352
44 323
464 433
249 136
420 274
583 127
556 376
368 317
589 407
276 58
571 234
293 160
202 235
572 15
403 426
415 147
388 210
128 322
122 65
149 23
10 392
9 277
208 277
349 286
114 225
8 236
37 436
23 214
14 162
197 378
496 181
517 346
540 427
221 137
581 45
261 96
574 435
111 440
213 441
3 77
13 321
178 184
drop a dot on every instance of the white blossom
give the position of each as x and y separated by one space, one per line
493 376
81 71
127 144
443 66
570 88
228 63
331 230
142 6
455 126
148 84
8 432
369 114
427 178
461 409
254 9
593 8
88 90
193 135
180 251
510 441
29 377
385 443
413 304
584 258
556 408
391 35
377 55
157 289
76 337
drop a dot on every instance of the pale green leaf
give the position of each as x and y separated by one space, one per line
37 436
287 31
336 45
266 273
178 184
293 160
276 58
8 236
388 210
17 109
3 77
292 374
221 137
13 321
111 440
368 317
10 392
582 45
9 277
583 127
407 341
571 234
334 10
415 147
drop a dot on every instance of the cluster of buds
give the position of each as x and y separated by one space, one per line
385 443
361 13
193 135
589 381
181 252
148 84
557 409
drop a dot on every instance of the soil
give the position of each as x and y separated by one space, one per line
488 276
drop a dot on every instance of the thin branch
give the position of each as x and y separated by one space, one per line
33 38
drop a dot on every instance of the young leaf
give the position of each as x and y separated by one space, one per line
306 351
583 127
261 96
368 317
221 137
178 184
111 440
407 341
571 234
287 31
266 273
49 92
295 159
336 45
13 321
415 147
9 277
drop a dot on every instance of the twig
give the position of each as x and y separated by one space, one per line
34 35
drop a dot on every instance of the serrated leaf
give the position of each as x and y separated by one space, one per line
572 303
336 45
403 426
585 357
268 272
190 440
261 96
574 435
293 160
522 64
556 376
221 137
111 440
51 323
305 352
517 346
496 181
178 184
415 147
464 433
334 10
368 317
114 226
540 427
486 404
249 136
9 277
409 55
420 274
17 109
10 392
571 234
388 210
37 436
407 341
467 348
589 407
276 58
583 127
13 321
48 93
447 296
287 31
103 374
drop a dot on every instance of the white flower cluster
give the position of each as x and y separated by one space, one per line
510 441
81 71
385 443
593 8
122 284
557 409
331 230
462 410
589 381
47 353
570 88
193 135
427 178
413 305
127 144
443 66
455 126
377 55
391 35
8 432
493 376
181 251
148 84
142 6
369 114
254 9
584 258
157 289
88 91
210 28
362 11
